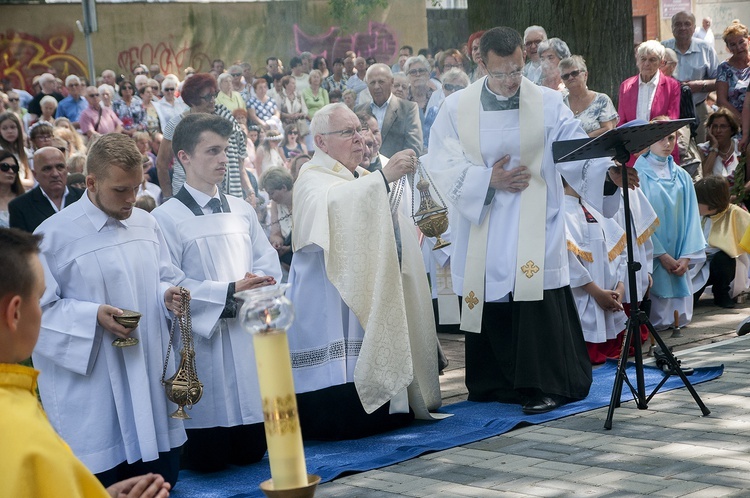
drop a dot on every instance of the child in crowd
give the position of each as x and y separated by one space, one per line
724 225
597 275
678 240
36 461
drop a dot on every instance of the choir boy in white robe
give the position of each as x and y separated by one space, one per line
100 256
678 241
219 244
724 225
363 341
597 275
643 225
491 154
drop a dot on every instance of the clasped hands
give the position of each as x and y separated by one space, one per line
674 266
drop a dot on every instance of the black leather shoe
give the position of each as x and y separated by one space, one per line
724 302
540 404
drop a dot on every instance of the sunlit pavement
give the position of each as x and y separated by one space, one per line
667 450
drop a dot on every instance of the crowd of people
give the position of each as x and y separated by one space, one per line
137 186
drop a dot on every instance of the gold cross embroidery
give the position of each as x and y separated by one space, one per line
529 269
471 300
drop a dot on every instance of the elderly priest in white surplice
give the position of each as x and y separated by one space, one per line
363 342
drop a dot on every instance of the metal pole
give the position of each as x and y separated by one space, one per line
90 54
89 26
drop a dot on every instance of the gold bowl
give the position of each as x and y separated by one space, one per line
129 319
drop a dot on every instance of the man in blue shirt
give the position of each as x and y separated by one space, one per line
71 106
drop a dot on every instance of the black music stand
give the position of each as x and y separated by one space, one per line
620 143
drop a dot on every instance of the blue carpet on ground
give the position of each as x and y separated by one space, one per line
470 422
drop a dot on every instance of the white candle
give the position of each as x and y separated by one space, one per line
283 435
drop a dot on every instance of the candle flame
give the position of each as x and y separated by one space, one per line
268 318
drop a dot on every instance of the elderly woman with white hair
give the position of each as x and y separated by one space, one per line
400 87
227 97
106 94
650 93
421 87
551 52
48 105
454 80
594 110
169 106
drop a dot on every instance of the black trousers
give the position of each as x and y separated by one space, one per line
335 413
215 448
527 347
168 465
721 269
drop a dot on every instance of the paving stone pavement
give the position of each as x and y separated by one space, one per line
668 450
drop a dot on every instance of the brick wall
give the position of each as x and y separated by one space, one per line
650 10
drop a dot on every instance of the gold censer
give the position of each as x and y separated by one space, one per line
431 218
183 388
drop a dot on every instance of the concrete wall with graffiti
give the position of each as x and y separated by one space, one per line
177 35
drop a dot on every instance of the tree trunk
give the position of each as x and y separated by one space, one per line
601 31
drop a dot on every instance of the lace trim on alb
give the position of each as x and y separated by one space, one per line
333 351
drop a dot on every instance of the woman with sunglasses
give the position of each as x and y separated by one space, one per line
169 106
10 184
129 110
199 93
453 80
290 145
12 140
594 110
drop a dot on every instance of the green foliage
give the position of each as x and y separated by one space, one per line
347 11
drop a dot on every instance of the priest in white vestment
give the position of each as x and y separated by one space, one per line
491 154
101 255
363 342
219 244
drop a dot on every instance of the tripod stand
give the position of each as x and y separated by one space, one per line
620 143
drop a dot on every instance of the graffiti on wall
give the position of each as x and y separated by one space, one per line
23 56
170 58
379 41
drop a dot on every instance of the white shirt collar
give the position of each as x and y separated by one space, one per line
54 206
653 81
96 216
385 104
201 198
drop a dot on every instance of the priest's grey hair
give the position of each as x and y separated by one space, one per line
321 122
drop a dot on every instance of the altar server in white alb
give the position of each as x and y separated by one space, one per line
597 275
363 343
220 245
491 154
101 256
